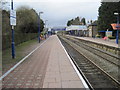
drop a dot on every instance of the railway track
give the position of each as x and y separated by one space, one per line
114 59
108 62
95 75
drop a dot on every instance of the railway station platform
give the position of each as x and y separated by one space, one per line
111 43
48 67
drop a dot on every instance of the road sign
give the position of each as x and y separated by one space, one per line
13 17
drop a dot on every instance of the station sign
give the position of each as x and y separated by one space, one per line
13 17
115 26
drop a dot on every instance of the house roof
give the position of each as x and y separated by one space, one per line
76 27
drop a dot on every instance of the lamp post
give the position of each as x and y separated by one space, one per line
45 23
45 28
39 26
117 26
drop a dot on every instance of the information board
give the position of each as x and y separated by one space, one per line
108 33
13 17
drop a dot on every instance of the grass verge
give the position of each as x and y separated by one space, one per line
21 51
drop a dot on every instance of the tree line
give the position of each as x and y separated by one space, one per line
76 21
106 15
26 27
26 18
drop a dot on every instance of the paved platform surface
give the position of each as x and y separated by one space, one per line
99 40
47 67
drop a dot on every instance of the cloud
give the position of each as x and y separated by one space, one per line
57 1
58 12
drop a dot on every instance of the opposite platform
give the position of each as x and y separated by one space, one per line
99 40
48 67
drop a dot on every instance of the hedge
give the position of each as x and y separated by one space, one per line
18 38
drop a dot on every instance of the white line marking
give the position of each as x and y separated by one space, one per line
81 78
20 61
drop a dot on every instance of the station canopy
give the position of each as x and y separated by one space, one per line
59 28
76 27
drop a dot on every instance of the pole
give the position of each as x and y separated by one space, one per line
12 4
45 28
13 44
39 27
117 37
117 32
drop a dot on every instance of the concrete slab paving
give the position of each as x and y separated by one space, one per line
60 72
47 67
30 73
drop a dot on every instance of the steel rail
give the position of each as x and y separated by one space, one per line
98 54
103 71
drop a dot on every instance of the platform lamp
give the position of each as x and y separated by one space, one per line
46 24
117 26
39 26
45 28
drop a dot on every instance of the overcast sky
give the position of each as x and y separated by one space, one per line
58 12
